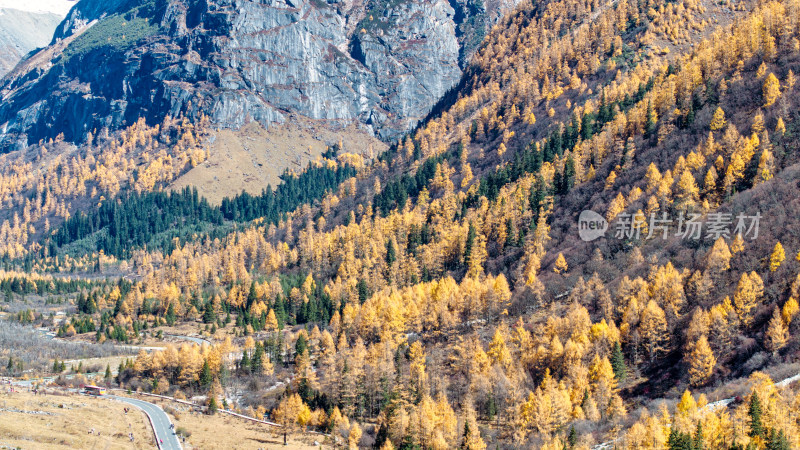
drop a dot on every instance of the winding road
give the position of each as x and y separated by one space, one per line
167 440
196 340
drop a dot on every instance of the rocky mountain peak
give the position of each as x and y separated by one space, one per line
381 64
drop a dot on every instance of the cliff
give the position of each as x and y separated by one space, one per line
381 65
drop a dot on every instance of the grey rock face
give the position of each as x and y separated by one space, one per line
382 64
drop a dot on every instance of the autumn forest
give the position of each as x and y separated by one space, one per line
440 294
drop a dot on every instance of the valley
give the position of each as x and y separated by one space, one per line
413 225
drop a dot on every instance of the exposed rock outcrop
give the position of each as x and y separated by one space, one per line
381 64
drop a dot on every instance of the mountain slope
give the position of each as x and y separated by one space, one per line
22 32
380 64
443 293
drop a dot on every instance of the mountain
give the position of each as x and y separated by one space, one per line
380 64
591 242
22 32
57 7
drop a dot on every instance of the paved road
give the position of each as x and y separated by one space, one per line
196 340
167 439
46 380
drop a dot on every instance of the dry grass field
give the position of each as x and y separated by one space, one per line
222 431
252 157
61 421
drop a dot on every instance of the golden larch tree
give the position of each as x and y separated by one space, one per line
701 362
560 264
777 332
653 329
789 310
292 414
719 258
686 192
780 128
718 120
771 89
777 257
748 293
617 206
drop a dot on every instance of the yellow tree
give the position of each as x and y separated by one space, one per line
790 309
354 436
292 414
710 183
615 207
780 127
498 350
766 166
748 292
777 333
653 329
718 120
719 258
471 439
652 177
417 366
272 321
476 257
603 382
699 326
610 180
737 245
701 362
758 123
771 89
686 192
561 264
685 411
777 257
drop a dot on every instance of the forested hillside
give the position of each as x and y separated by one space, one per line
441 295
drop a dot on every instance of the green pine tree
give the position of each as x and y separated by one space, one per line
572 437
212 406
171 315
679 441
618 362
697 441
258 357
206 377
777 440
465 435
472 233
391 253
754 411
650 125
301 345
244 364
